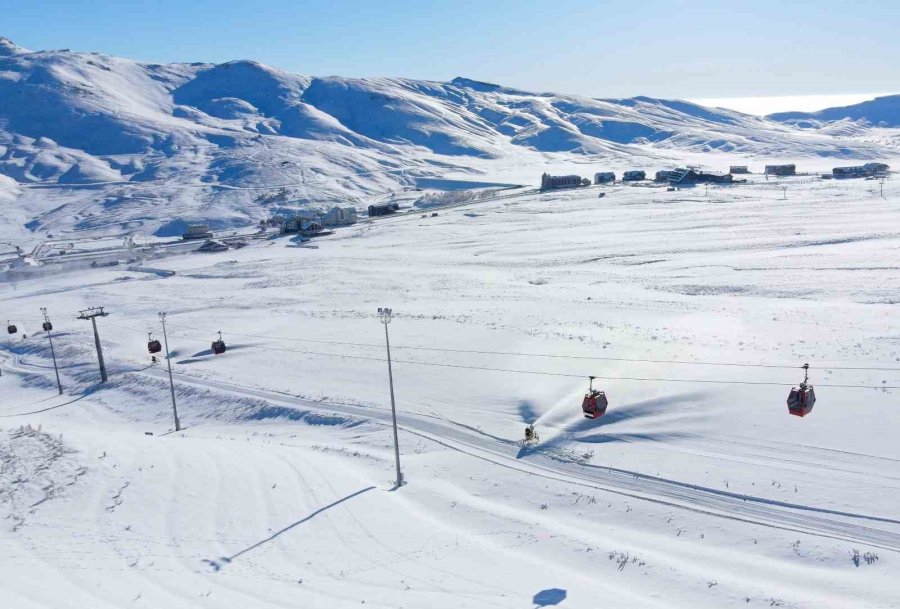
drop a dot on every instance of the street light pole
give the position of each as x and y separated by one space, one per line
48 327
385 314
162 318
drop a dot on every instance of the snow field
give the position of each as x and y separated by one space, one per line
685 494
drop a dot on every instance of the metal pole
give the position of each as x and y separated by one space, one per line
103 376
162 317
52 352
93 313
385 314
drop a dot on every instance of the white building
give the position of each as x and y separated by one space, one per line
340 216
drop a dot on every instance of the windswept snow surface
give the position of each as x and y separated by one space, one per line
278 492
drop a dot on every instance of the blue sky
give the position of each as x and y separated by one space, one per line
602 49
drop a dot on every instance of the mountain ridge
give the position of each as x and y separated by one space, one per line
90 120
882 111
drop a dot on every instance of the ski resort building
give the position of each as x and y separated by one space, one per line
634 176
549 182
604 177
738 169
310 227
694 175
781 170
301 223
197 231
340 216
383 209
663 176
861 171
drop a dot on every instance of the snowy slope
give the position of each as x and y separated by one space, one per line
109 145
881 111
687 493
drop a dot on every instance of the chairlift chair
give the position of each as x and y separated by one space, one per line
11 328
153 345
801 399
595 402
218 346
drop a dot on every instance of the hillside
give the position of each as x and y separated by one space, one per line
101 144
696 489
881 112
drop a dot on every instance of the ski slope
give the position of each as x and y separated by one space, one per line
694 309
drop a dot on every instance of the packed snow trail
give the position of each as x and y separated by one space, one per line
559 465
545 463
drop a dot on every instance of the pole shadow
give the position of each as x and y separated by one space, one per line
216 565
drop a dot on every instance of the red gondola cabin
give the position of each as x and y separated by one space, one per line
801 399
218 346
594 404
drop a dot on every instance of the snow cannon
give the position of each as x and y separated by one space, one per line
801 399
595 402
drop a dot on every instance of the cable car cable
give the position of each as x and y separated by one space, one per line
539 372
547 373
553 355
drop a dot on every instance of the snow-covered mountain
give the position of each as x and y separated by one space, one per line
881 111
100 143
